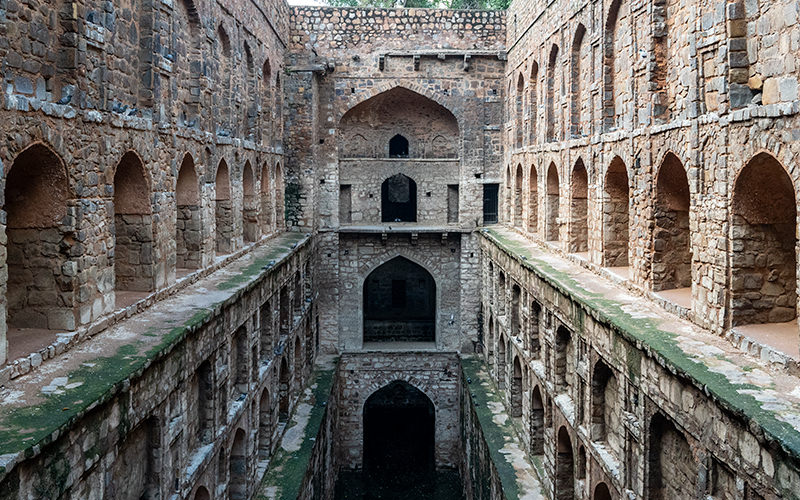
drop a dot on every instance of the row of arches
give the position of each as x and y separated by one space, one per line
573 78
603 419
43 245
763 212
258 116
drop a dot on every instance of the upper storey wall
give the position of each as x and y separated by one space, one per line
329 30
195 64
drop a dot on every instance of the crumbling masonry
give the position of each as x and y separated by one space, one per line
562 236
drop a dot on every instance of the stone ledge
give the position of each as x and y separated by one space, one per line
728 377
507 451
68 340
289 466
31 418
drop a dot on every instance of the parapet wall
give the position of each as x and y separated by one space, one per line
331 29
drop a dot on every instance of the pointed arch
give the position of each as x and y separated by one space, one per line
552 63
576 79
250 225
266 197
238 464
533 200
537 422
518 206
280 203
533 106
764 232
518 110
36 198
399 302
610 66
553 201
399 199
615 215
565 467
223 209
516 388
579 209
134 244
672 258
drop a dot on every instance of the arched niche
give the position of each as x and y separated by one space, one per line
399 111
399 303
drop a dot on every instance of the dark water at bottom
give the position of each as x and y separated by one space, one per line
443 485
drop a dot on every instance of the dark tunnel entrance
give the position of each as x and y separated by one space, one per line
399 437
399 303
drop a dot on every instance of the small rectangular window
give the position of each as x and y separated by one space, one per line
452 203
345 204
490 203
398 293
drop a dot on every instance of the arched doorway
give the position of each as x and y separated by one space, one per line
283 387
237 489
399 423
565 475
615 215
399 303
764 232
188 222
134 268
672 258
399 199
223 210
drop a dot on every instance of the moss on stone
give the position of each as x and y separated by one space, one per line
495 434
288 242
288 470
661 344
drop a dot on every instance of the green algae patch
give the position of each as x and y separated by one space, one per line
288 469
646 334
21 428
288 242
495 434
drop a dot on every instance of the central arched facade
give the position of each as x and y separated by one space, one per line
399 437
399 300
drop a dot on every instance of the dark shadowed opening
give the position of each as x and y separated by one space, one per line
398 147
399 199
399 303
398 437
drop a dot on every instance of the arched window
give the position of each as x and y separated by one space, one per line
579 209
764 225
399 199
553 202
223 209
398 147
672 258
249 205
188 225
605 408
551 93
399 303
615 215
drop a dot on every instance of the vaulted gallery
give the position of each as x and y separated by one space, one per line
261 250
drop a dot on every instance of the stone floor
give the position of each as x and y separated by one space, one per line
95 368
765 392
502 435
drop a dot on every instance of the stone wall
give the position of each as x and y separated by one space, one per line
601 407
436 375
655 89
200 413
89 87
